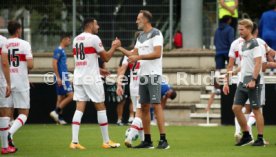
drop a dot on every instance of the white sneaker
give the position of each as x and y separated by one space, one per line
62 122
153 122
237 137
120 123
54 116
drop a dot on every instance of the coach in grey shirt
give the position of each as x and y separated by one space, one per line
249 86
149 49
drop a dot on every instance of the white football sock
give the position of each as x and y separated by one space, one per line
246 116
237 127
18 123
134 128
76 126
250 122
141 131
4 127
102 120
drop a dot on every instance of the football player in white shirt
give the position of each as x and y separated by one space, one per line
149 50
136 125
5 100
21 60
88 84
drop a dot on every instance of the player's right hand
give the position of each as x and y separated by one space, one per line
8 91
116 43
119 91
59 82
226 90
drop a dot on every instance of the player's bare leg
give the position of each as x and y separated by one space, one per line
131 113
62 102
158 110
66 100
238 133
260 126
246 138
146 118
120 108
145 114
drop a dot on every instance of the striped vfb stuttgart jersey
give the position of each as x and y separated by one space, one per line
3 82
234 50
134 76
19 52
86 47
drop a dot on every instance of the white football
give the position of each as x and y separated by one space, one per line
135 137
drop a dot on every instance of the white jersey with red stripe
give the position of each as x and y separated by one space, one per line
3 82
19 52
134 76
86 47
234 50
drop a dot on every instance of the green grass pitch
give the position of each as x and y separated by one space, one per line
185 141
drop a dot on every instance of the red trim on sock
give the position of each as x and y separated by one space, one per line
21 121
75 123
103 124
135 127
4 129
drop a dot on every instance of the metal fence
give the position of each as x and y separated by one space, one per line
44 21
210 22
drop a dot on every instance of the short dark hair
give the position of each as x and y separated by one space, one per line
87 21
64 35
225 18
173 95
147 14
13 26
255 27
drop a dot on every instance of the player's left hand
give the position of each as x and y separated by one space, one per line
133 58
119 91
251 84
